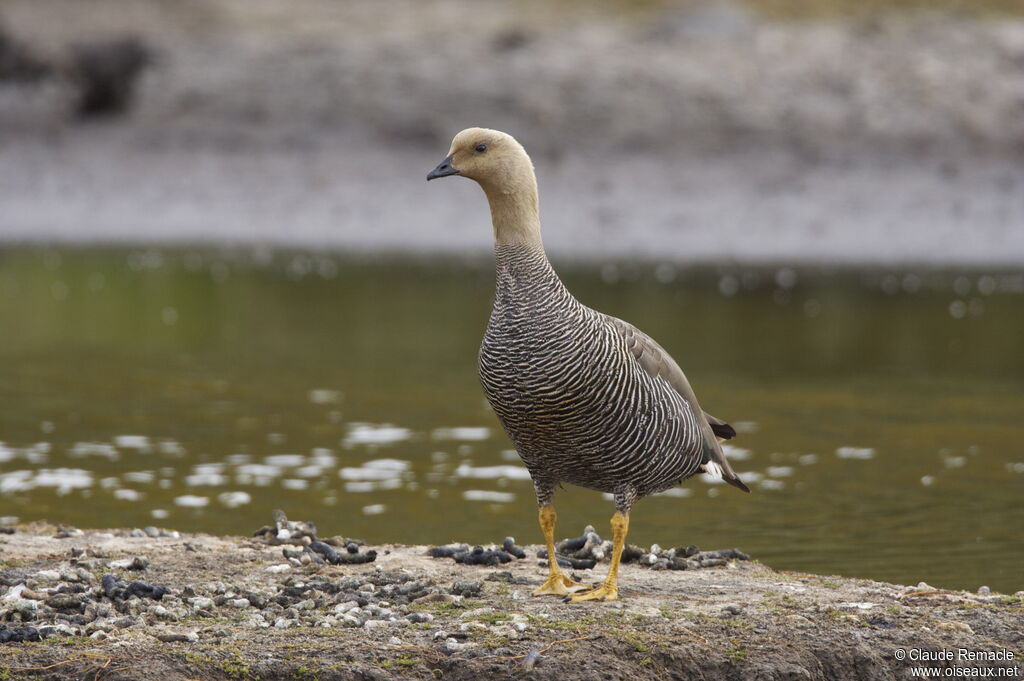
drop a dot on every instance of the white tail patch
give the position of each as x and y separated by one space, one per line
713 469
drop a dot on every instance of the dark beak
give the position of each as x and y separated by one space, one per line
443 169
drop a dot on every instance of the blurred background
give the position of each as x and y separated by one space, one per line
225 286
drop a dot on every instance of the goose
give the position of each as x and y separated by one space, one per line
587 399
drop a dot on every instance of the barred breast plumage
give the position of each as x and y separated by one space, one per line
586 398
571 394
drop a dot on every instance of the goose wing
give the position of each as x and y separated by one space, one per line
657 363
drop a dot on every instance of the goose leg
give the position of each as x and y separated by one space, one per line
609 591
557 583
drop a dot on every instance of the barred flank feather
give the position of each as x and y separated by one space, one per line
586 398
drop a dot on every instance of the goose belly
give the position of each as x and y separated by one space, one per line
580 410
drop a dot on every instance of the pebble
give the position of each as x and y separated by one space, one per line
466 588
176 637
201 603
419 617
20 634
240 603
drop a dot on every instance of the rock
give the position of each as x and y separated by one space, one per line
950 625
984 591
134 563
466 588
125 622
201 603
64 602
176 637
160 612
419 617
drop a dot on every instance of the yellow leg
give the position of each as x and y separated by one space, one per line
557 584
609 591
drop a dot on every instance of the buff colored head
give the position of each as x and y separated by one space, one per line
494 159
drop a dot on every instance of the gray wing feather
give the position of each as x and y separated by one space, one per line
657 363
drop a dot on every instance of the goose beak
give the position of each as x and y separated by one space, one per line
443 169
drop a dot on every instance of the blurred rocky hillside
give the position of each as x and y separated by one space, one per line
643 76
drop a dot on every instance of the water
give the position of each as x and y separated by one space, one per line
879 413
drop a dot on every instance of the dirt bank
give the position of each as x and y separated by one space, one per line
237 609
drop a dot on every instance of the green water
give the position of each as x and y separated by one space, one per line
880 413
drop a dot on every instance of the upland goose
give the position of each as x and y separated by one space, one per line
586 398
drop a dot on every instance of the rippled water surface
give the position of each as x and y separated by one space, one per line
881 415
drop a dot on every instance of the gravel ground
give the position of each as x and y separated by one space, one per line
691 132
238 608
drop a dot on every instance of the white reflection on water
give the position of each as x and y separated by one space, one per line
207 474
324 396
323 457
735 453
374 434
674 492
470 433
285 460
374 509
140 476
15 481
36 453
137 442
234 499
259 474
488 495
378 469
128 494
62 479
863 453
373 486
80 449
191 501
511 472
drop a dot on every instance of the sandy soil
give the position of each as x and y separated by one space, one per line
742 621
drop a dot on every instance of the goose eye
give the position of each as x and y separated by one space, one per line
481 148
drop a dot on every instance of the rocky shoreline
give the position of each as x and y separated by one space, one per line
160 604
